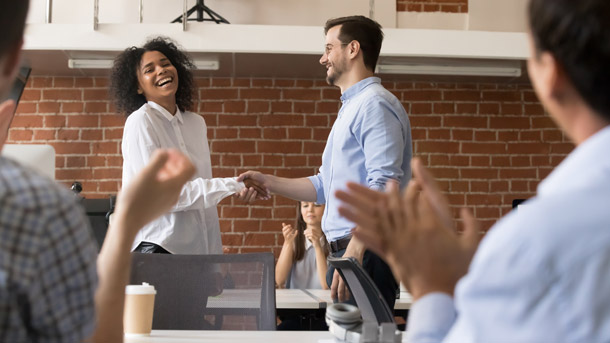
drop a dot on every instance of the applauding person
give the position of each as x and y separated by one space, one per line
302 262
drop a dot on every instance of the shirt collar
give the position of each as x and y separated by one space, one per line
166 114
582 163
359 86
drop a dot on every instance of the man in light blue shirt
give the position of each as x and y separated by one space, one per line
370 143
542 273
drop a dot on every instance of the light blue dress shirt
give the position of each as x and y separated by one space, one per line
370 142
542 274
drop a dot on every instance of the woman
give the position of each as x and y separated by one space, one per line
302 262
154 87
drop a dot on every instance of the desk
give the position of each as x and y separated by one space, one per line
213 336
323 296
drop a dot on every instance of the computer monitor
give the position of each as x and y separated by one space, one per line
39 157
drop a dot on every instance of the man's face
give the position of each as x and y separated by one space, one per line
334 57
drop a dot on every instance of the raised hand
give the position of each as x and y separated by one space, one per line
155 189
313 235
289 233
413 233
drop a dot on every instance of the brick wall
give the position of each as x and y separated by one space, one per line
453 6
487 143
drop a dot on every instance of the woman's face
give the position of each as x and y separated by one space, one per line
157 77
312 213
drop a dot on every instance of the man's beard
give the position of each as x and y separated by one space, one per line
332 78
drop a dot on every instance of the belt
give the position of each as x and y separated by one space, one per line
340 244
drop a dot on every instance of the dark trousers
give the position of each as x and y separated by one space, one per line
378 270
150 248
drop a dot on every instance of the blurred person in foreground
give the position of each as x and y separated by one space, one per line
53 285
542 273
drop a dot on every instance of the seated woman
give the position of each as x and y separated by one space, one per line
302 262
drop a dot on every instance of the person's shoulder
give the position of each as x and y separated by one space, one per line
23 187
140 114
194 120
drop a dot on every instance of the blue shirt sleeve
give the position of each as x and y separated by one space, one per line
318 183
381 137
431 318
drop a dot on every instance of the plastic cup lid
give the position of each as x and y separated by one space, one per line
144 288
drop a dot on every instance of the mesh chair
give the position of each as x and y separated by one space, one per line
202 292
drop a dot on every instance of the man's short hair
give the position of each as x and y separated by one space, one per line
12 17
577 34
362 29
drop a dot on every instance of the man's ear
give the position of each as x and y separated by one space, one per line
353 49
11 61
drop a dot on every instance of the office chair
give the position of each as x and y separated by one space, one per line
377 323
205 292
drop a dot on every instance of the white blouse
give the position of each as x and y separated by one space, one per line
192 225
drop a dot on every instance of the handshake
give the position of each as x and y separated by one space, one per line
256 187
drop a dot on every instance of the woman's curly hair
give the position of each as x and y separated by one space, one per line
124 77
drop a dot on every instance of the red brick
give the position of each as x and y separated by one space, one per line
19 135
286 147
281 120
465 121
23 121
440 147
509 123
26 108
113 133
304 107
419 95
260 93
82 82
483 148
222 133
258 106
48 107
425 121
78 174
72 107
300 133
250 133
30 95
62 94
479 173
68 134
237 120
84 121
92 135
44 135
301 94
281 107
233 146
274 133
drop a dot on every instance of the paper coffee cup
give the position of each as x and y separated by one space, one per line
139 308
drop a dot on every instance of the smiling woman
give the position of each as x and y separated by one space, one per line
153 86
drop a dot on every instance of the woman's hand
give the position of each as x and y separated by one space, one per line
314 235
290 234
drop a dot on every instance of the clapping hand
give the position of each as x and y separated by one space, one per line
413 233
289 233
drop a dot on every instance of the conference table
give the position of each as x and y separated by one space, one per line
290 300
213 336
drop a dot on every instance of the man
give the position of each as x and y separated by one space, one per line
542 273
48 277
370 143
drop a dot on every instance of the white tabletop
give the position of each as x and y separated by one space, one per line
212 336
250 298
403 303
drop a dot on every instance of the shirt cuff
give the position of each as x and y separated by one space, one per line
431 318
233 185
319 187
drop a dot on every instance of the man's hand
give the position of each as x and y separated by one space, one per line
413 233
7 110
154 190
338 287
255 187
